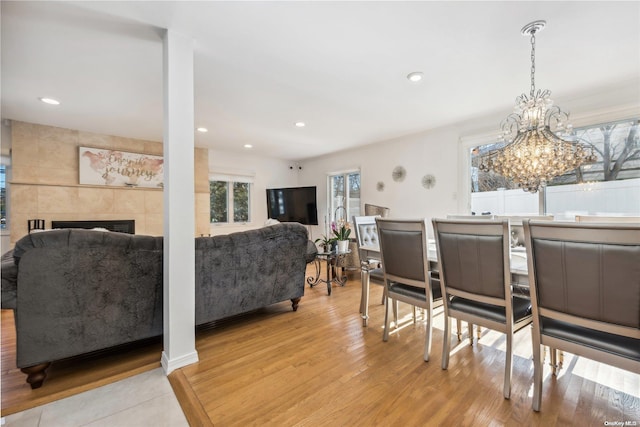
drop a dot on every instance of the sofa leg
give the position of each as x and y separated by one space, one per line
36 374
294 303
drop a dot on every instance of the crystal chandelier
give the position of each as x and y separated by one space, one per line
530 151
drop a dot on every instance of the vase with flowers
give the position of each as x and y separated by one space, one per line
341 232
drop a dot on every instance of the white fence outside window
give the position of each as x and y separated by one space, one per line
608 198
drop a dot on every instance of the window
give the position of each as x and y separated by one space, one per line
344 195
610 186
3 196
229 201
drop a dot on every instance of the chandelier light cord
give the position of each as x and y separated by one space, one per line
533 62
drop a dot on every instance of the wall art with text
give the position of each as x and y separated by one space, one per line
120 168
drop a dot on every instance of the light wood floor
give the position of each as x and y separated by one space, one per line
319 367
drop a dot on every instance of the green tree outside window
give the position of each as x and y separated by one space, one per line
229 202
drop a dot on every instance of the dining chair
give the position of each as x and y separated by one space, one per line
403 249
434 274
475 278
370 269
585 293
373 210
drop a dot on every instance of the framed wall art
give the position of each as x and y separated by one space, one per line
120 168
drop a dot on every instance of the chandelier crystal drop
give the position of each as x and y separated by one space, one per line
530 152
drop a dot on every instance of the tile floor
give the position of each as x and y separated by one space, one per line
143 400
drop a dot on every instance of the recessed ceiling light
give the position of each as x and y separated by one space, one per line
203 130
50 101
248 146
300 124
415 77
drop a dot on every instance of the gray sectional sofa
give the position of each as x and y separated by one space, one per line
77 291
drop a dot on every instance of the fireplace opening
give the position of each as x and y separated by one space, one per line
121 225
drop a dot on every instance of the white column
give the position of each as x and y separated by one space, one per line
179 211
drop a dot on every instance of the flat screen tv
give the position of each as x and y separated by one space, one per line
296 204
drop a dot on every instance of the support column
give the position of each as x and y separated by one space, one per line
179 211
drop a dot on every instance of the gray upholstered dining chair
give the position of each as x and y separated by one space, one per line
585 293
475 278
403 248
370 270
375 210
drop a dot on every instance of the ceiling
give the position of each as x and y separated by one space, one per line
340 67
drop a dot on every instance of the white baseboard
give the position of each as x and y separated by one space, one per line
171 365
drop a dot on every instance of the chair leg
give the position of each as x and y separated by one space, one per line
384 295
364 299
446 342
470 329
414 313
385 332
479 331
554 361
427 344
362 290
395 312
459 326
508 366
538 364
560 359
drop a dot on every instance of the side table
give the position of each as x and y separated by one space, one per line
331 259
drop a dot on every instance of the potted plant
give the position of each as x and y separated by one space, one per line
341 234
326 243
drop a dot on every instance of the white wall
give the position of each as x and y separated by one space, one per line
267 172
434 152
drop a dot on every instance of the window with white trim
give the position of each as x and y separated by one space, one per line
344 195
3 196
229 199
610 186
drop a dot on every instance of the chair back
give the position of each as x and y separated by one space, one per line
373 210
588 274
517 219
366 230
474 259
471 217
608 219
403 247
584 284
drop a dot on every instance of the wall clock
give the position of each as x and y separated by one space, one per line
398 174
428 181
